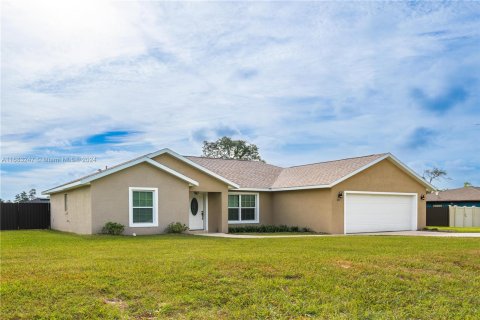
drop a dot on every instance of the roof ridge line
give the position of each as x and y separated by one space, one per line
243 160
350 158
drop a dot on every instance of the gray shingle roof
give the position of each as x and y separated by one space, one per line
260 175
322 173
460 194
256 174
247 174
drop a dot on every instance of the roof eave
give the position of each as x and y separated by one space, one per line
66 187
104 173
193 164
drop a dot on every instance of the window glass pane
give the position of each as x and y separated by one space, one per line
142 198
233 214
233 201
248 214
136 198
142 215
248 200
148 201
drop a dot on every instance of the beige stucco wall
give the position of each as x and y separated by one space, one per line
382 177
214 211
303 208
207 183
78 217
110 198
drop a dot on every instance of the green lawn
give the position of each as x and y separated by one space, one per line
455 229
46 274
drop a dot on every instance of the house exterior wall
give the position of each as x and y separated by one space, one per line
381 177
110 198
78 216
303 208
214 211
207 183
266 210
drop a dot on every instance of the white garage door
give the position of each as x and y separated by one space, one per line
373 212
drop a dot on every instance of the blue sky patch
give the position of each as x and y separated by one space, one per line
421 138
442 102
109 137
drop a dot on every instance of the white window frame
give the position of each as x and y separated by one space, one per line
257 208
130 206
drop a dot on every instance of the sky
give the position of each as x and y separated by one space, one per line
104 82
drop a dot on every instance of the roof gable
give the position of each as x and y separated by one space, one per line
87 179
193 164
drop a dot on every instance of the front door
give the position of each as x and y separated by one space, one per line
197 211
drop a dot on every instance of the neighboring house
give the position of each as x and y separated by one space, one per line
363 194
39 200
463 197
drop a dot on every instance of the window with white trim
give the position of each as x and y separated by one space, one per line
243 208
143 207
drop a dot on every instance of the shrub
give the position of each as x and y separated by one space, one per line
176 227
113 228
267 229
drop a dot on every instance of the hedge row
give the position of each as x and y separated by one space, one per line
267 228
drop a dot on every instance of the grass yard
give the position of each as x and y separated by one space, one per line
46 274
455 229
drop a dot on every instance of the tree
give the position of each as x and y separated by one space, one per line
32 194
226 148
434 174
21 197
467 184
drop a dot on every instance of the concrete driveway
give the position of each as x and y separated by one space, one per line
421 234
398 233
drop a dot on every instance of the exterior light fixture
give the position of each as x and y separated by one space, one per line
422 196
339 195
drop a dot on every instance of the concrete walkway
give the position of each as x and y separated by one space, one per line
422 234
399 233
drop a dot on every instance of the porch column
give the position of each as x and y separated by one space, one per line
223 223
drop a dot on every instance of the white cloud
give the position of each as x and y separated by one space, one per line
305 81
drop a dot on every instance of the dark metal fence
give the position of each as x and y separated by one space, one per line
14 216
437 217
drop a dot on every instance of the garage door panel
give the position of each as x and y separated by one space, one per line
379 212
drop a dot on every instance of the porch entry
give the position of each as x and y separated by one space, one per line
198 211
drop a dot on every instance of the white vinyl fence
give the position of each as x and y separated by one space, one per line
464 216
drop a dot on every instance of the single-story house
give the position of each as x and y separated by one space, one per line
363 194
39 200
462 197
